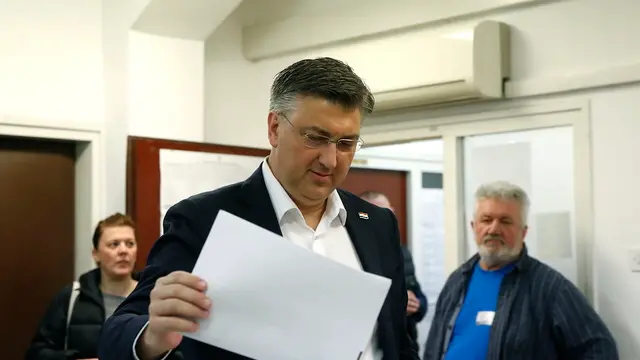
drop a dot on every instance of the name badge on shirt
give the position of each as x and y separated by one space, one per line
485 318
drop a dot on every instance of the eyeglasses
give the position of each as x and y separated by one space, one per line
317 141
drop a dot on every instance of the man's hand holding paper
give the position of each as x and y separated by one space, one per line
275 300
178 302
311 314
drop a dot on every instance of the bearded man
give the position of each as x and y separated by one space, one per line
504 304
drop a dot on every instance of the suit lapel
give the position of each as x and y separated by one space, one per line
363 236
259 210
258 207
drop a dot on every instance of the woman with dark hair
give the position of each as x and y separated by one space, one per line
71 326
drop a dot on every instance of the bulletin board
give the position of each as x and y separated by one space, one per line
144 183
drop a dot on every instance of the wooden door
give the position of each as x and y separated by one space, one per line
36 234
391 183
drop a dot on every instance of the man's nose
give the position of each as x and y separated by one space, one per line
329 156
494 227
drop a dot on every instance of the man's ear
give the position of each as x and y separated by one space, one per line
273 124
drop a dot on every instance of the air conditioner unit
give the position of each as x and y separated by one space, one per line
475 62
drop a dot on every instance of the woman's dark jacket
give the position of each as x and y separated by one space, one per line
85 324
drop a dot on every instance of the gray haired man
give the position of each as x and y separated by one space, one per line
315 114
504 304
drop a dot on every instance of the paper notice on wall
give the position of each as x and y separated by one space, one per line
431 257
186 173
554 235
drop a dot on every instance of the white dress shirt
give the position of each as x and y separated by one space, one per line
329 239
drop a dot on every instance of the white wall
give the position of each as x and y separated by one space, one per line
166 87
116 17
75 61
616 205
236 91
552 44
51 59
74 64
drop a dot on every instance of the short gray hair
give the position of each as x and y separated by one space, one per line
326 78
503 190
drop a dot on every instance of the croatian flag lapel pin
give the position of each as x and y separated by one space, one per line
363 215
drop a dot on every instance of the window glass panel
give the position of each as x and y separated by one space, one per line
541 162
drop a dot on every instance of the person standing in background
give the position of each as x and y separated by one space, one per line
504 304
71 326
417 304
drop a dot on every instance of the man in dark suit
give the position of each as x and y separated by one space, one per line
316 110
417 305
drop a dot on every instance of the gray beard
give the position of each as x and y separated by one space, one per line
501 257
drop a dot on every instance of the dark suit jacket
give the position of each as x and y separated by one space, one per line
187 225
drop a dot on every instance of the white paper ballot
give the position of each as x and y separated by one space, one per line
274 300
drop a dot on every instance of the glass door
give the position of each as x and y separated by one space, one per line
541 161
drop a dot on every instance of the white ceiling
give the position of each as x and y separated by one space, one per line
255 12
190 19
196 19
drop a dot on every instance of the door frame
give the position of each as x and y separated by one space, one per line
453 124
89 165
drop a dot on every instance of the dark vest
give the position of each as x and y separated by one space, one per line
87 317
